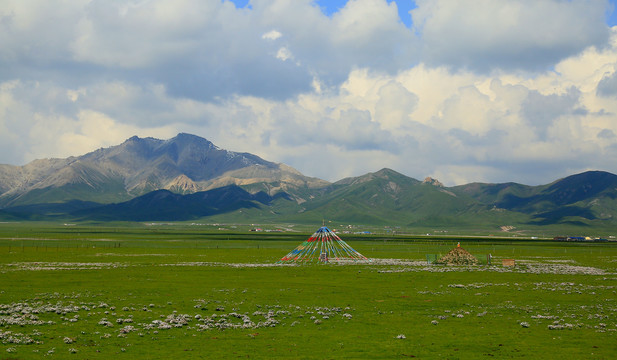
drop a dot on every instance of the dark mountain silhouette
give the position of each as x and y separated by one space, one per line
188 177
167 206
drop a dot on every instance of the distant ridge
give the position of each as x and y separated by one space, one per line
183 164
165 205
388 197
188 177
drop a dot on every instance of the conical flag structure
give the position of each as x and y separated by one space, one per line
324 245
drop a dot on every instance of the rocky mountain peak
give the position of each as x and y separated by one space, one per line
184 164
190 139
429 180
183 185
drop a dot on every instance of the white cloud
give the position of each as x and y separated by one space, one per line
271 35
40 120
502 34
149 33
37 30
203 49
395 106
476 91
461 127
284 54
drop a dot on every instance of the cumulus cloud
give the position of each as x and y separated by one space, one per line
474 91
41 120
486 35
284 54
271 35
201 49
541 111
35 31
608 86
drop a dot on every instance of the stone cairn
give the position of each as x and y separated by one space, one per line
457 256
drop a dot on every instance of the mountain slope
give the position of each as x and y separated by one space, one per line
578 198
386 197
188 177
167 206
183 164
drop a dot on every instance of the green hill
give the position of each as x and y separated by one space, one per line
386 197
189 178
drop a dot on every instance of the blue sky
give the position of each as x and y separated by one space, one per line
612 16
330 7
404 6
483 90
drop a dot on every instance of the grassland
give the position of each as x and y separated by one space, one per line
162 291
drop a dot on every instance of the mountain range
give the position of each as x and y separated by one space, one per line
189 178
184 164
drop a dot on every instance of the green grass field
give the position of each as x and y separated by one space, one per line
162 291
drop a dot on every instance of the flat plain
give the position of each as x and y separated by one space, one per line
184 291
